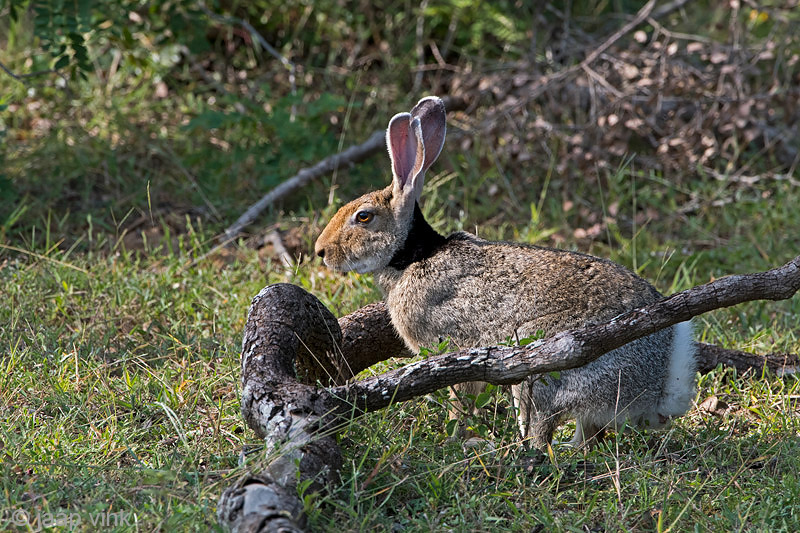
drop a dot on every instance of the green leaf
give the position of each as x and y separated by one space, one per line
451 427
62 62
444 345
483 399
482 430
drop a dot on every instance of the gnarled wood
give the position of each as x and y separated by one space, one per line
369 338
710 356
288 331
285 326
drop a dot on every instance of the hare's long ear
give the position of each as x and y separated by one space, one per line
431 114
404 150
415 140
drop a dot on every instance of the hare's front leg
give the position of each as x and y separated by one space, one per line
585 431
460 406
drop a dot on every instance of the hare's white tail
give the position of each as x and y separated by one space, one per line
679 387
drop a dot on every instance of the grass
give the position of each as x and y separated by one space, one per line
120 332
119 391
696 474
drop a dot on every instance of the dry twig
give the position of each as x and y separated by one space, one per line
351 155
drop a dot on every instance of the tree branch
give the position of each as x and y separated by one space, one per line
288 328
568 349
21 77
285 324
640 17
369 338
709 356
351 155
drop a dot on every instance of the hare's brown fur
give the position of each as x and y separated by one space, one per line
523 288
352 246
477 292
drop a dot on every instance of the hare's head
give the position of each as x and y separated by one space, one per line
365 234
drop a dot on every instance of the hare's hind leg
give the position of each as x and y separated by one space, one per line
541 432
536 419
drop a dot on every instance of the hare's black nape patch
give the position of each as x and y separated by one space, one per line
421 243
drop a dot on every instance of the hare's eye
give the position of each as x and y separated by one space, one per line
364 217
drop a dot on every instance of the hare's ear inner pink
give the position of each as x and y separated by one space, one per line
402 145
431 114
415 140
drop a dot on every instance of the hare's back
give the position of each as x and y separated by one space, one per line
479 292
591 288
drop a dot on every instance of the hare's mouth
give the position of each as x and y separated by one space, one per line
358 265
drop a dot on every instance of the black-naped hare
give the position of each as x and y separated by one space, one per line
477 293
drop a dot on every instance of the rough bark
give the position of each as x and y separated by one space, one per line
710 356
285 326
369 338
288 331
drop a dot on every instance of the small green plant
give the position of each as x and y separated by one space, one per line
444 346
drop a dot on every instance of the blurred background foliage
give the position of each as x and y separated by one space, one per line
132 112
177 100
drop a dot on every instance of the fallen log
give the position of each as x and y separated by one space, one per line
290 335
